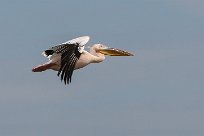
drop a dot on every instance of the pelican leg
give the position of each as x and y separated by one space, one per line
43 67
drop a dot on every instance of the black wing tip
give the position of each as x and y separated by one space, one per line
49 52
69 57
66 81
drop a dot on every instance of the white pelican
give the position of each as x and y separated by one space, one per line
69 56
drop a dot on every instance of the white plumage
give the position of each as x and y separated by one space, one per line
70 55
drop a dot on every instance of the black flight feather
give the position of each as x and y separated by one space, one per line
69 56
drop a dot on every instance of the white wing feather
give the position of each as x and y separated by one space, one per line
80 40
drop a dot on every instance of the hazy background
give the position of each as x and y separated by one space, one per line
158 92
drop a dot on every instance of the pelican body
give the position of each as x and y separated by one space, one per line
69 56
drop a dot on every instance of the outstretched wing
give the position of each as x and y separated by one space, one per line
69 56
70 52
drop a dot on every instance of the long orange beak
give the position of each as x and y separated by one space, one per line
115 52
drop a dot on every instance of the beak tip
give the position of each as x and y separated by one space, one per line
132 54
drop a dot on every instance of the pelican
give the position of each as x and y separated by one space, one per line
71 55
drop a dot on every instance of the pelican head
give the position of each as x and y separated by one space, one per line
99 51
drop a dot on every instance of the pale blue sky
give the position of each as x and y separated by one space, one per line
158 92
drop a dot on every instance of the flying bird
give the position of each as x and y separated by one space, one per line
71 55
